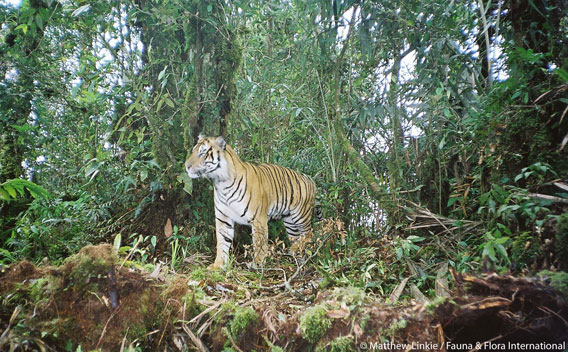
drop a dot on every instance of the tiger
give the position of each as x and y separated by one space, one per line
251 194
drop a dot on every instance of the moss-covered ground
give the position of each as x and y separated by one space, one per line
98 300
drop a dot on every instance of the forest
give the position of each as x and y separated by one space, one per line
435 132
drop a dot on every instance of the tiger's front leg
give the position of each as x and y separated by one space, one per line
225 230
260 241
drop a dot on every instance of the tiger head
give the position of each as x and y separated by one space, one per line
207 158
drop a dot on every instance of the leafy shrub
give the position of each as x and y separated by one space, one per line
55 228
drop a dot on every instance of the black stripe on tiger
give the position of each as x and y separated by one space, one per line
226 223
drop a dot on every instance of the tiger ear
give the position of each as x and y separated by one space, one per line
201 136
221 142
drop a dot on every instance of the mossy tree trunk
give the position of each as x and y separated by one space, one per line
190 63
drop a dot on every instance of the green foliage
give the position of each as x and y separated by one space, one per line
561 241
406 247
510 211
494 244
360 267
537 172
558 280
12 189
525 249
401 106
55 228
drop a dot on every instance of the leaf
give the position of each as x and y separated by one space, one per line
14 187
501 240
563 74
338 313
398 251
11 190
143 175
4 195
502 251
441 282
413 238
129 110
186 181
23 27
452 200
489 250
168 230
418 295
39 21
81 10
162 73
395 295
160 103
116 244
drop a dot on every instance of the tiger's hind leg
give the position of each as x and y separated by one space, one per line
298 234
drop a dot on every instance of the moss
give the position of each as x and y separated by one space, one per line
273 347
204 274
339 344
352 296
89 266
314 323
438 301
145 303
525 250
38 289
558 280
396 325
136 331
561 241
229 306
364 320
242 318
326 281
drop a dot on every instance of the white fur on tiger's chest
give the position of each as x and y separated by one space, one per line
234 210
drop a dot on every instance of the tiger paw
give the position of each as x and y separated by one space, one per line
217 265
212 267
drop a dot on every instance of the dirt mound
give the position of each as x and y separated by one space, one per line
18 273
87 301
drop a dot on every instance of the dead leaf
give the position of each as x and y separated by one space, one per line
442 281
398 291
168 230
418 295
268 317
338 313
156 272
357 330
